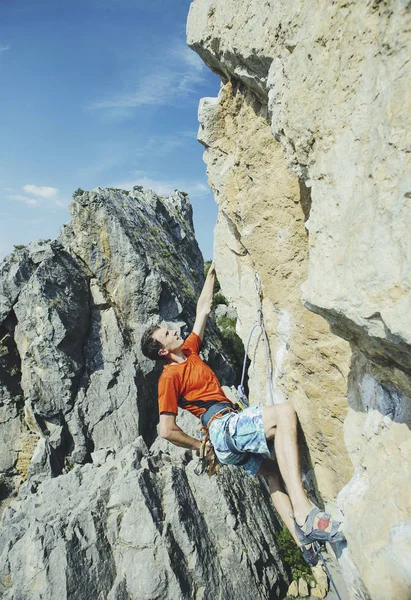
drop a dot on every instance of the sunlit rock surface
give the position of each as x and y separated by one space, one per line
308 152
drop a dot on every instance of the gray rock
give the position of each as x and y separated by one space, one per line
100 515
73 313
15 271
142 525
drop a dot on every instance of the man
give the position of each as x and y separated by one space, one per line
238 438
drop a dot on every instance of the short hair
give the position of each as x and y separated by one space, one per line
150 346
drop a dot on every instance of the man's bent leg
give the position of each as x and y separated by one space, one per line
269 469
280 423
281 501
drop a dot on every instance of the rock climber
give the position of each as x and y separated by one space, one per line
240 438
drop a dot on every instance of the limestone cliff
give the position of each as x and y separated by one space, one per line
95 505
308 153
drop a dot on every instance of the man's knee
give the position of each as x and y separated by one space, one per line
278 415
286 412
269 421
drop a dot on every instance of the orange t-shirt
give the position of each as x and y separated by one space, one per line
190 385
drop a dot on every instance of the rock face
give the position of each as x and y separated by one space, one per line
261 229
307 150
141 525
106 509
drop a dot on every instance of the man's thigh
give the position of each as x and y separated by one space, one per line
246 431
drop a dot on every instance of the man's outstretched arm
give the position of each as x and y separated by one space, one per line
174 434
204 302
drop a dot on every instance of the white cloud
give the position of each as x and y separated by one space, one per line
42 191
152 90
195 189
161 86
5 48
61 203
164 144
8 189
188 56
25 199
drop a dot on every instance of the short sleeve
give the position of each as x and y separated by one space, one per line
193 343
168 394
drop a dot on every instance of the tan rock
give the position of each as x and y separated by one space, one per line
293 590
261 229
318 592
331 81
321 578
337 78
28 445
303 588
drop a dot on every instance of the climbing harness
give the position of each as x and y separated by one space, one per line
259 325
207 461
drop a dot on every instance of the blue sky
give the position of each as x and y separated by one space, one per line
97 93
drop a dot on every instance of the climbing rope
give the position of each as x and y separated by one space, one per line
317 550
259 325
243 400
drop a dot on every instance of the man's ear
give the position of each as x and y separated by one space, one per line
163 352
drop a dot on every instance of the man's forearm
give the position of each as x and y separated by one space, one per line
205 299
179 438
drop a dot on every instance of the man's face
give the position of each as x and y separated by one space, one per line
169 339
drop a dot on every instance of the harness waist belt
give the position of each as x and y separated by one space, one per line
214 410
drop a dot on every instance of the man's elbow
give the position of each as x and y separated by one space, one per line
165 432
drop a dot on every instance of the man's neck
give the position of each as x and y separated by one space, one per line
177 358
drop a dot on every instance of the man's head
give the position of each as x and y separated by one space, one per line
158 342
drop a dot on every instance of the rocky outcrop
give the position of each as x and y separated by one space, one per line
18 427
73 312
138 524
307 150
261 230
104 508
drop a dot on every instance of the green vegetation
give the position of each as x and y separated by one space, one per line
78 192
14 370
55 302
68 464
19 246
293 557
119 190
218 297
232 343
